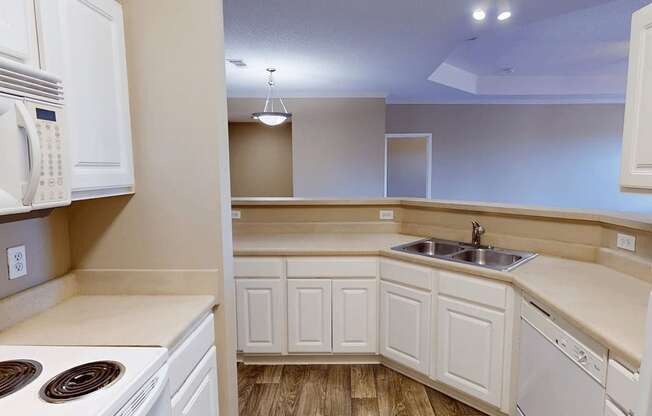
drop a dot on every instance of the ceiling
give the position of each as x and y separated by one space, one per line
418 51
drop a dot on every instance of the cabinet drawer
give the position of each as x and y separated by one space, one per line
186 356
622 385
406 273
270 267
478 290
299 267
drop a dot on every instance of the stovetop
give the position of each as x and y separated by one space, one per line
73 380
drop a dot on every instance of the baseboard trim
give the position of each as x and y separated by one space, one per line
307 359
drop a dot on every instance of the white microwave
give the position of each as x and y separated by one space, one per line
34 164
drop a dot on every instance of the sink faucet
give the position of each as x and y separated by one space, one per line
476 233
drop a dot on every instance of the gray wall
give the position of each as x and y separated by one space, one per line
337 144
47 247
551 155
407 167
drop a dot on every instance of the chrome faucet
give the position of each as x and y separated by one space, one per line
476 233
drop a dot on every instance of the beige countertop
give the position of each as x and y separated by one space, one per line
608 305
112 321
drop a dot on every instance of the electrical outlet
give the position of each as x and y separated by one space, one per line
386 214
236 215
626 242
17 262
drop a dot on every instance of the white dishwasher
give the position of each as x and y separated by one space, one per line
559 374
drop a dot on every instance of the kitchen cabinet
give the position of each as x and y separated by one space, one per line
193 373
636 161
623 386
259 304
18 39
470 348
198 396
355 316
405 325
83 41
309 315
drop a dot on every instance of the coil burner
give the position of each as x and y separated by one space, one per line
16 374
82 380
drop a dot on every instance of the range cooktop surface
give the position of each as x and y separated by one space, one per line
73 380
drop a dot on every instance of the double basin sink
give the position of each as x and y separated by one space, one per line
484 256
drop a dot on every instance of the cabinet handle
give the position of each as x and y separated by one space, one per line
26 122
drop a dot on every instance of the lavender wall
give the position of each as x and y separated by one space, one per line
551 155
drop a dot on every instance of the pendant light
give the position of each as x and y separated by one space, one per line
268 116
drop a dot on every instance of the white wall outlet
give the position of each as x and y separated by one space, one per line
17 262
386 214
236 215
626 242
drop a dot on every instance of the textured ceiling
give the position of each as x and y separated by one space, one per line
389 48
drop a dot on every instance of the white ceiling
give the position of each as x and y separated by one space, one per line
389 48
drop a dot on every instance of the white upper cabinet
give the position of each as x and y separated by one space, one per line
83 41
18 32
405 325
470 348
355 316
636 166
309 315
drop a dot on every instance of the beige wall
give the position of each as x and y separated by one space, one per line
47 247
337 144
179 217
260 159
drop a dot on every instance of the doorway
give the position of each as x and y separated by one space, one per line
408 165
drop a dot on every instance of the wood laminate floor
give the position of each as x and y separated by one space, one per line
339 390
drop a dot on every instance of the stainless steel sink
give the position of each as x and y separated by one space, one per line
433 248
483 256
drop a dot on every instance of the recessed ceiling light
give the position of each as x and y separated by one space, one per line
479 14
504 15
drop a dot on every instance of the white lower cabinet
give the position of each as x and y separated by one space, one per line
193 373
355 316
452 327
405 325
198 395
309 315
259 304
470 348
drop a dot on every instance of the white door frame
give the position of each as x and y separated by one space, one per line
428 137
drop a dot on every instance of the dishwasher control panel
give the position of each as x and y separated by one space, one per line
586 353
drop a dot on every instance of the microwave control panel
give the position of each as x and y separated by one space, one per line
53 188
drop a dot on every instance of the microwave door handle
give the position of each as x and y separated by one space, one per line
26 122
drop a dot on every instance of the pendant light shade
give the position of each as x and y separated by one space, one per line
269 116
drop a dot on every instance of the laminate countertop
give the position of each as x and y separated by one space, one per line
112 321
607 305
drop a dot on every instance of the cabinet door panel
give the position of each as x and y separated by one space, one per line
354 316
470 348
405 326
203 402
259 315
198 395
636 167
18 32
84 42
309 315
